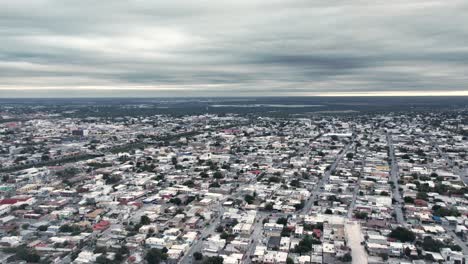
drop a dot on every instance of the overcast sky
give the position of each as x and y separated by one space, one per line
232 48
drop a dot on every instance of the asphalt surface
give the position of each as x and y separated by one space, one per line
465 180
207 231
394 176
458 241
463 174
254 239
356 191
324 180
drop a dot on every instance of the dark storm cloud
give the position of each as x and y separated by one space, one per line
327 62
57 48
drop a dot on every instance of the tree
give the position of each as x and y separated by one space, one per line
408 200
160 177
349 156
189 183
68 172
218 175
118 257
295 183
300 205
407 251
113 179
269 206
274 179
360 215
224 235
144 220
123 250
103 260
438 210
69 228
214 260
328 211
282 221
289 261
433 245
42 228
28 255
422 196
285 232
175 201
305 245
402 234
347 258
249 199
456 248
155 256
198 256
214 185
219 229
45 157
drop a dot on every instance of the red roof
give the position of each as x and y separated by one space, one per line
420 202
317 232
11 125
138 204
101 225
21 198
42 244
8 201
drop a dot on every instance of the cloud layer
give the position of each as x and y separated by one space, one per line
244 47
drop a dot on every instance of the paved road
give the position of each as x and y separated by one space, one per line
356 190
198 244
443 155
353 228
462 173
394 177
255 238
211 228
324 180
465 180
354 238
458 241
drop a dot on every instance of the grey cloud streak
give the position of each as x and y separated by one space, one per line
215 48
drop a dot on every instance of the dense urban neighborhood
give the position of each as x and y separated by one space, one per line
233 188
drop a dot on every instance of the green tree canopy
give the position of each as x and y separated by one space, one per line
155 256
402 234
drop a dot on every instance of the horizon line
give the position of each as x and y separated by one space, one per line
42 94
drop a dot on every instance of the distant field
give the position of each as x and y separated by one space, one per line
113 107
